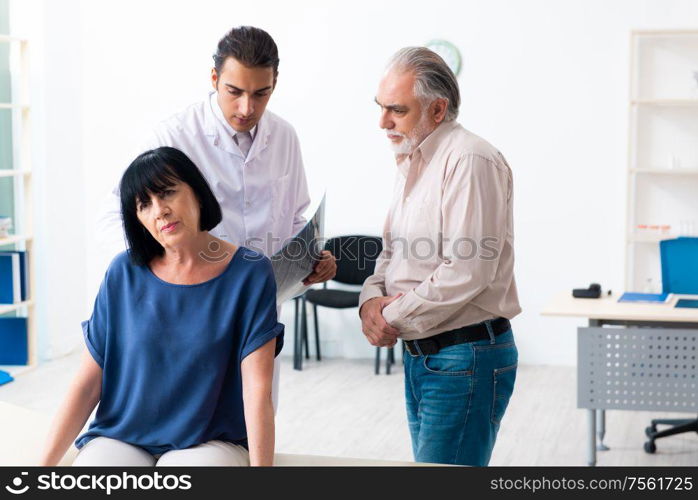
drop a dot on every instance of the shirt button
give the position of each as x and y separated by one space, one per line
247 203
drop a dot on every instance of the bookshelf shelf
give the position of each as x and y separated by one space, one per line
16 370
15 238
689 103
9 39
665 171
9 105
662 130
8 308
14 173
649 238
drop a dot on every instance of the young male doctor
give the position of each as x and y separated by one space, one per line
250 157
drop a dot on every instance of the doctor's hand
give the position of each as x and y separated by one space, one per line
325 269
378 332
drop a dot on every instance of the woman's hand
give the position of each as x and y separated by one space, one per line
82 397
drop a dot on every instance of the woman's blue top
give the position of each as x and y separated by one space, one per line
171 354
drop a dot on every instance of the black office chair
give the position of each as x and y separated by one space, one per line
299 343
356 260
390 360
678 426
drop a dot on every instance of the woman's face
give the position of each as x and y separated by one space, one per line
171 216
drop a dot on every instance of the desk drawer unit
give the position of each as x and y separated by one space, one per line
637 368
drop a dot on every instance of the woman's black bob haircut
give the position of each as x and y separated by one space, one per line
153 172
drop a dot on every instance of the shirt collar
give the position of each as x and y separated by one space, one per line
431 143
221 119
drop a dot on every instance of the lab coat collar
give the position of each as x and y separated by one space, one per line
221 137
261 137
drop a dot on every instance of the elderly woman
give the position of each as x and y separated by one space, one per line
181 343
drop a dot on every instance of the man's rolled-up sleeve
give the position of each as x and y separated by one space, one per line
374 286
474 228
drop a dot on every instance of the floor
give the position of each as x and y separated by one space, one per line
339 407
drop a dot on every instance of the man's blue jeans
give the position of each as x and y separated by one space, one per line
456 399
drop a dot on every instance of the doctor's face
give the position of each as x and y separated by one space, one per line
243 93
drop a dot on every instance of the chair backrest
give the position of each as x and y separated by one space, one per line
679 265
356 257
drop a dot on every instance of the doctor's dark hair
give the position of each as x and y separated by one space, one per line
252 47
153 172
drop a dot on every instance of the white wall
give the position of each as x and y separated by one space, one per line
59 184
545 81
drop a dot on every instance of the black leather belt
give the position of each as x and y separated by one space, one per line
470 333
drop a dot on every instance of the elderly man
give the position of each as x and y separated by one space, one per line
444 283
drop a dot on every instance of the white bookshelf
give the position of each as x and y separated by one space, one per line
14 173
665 102
639 237
21 175
662 172
665 171
7 105
7 308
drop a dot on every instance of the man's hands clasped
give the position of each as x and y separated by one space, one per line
378 332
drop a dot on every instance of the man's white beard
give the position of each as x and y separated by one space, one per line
410 141
404 147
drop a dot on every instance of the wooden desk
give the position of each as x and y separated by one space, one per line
607 308
629 368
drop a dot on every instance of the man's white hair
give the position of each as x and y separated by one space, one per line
433 78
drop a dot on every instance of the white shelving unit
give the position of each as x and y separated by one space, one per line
22 184
662 149
665 102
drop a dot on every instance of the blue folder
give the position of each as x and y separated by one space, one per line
643 297
8 280
13 341
7 275
5 377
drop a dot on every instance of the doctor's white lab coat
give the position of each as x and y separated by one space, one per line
262 197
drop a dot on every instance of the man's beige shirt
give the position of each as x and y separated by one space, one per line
448 237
